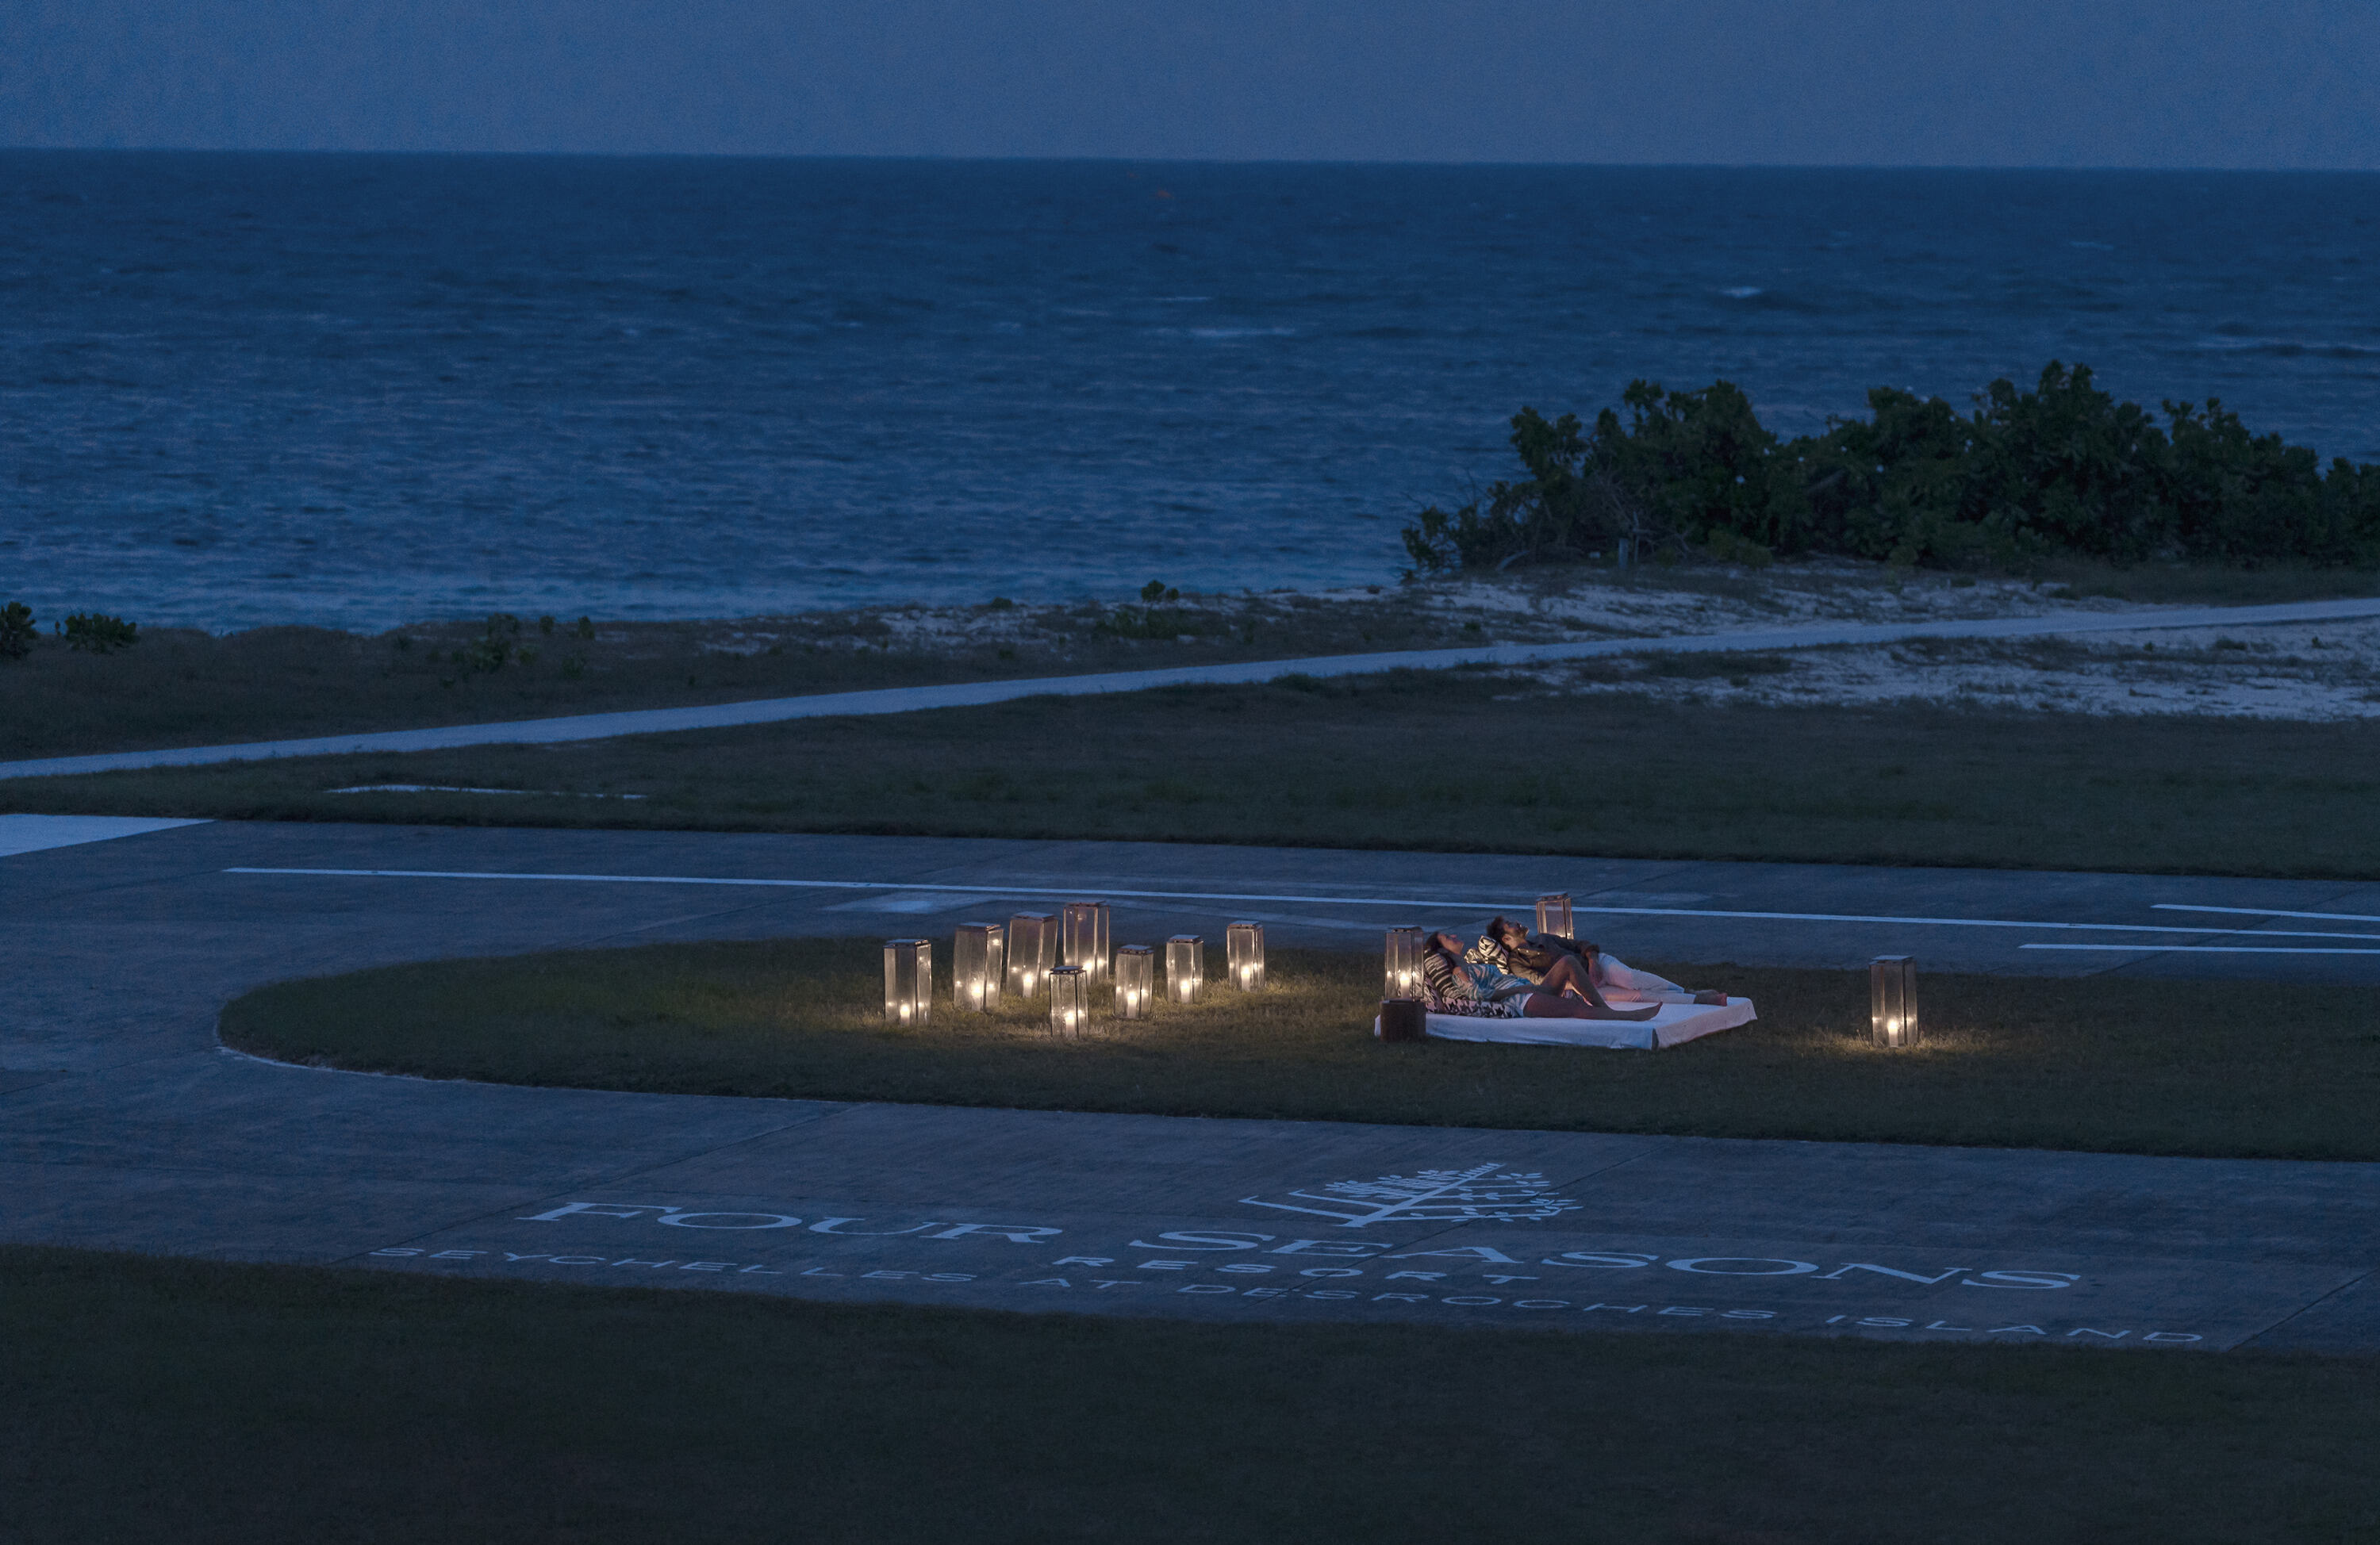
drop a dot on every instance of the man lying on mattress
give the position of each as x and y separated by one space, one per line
1510 973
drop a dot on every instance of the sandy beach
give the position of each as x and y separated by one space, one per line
2328 672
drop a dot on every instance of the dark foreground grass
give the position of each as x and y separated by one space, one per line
2132 1066
153 1400
1448 760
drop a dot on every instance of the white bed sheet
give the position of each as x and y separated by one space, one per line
1675 1024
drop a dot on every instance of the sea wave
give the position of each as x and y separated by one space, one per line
424 386
2289 348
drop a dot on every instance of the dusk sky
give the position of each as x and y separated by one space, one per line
2217 83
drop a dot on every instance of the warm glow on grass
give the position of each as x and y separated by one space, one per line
2096 1063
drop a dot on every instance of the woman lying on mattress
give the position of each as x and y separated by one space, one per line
1541 957
1455 980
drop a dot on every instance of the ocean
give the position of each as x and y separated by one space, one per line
360 391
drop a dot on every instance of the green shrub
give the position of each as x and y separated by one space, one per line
98 633
2063 468
1151 622
16 631
494 646
1570 507
1729 548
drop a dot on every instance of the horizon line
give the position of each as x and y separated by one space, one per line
1384 161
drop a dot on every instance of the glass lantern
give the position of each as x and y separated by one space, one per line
1136 982
908 981
1892 1000
1032 950
1402 973
1087 937
1070 1001
1553 917
1244 947
974 967
1186 968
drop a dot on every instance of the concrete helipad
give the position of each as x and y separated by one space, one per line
124 1125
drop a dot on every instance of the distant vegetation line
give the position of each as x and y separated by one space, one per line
2063 469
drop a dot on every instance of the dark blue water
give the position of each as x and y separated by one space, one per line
359 390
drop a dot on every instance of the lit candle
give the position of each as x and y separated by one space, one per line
975 971
1892 1001
1086 924
1070 1001
1185 967
908 981
1244 944
1400 974
1136 978
1032 943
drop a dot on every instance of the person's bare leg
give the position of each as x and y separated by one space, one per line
1568 973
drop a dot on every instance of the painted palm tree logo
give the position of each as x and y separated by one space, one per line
1484 1193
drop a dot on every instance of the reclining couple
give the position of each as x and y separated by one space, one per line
1512 973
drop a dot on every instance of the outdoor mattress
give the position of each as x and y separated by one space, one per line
1676 1022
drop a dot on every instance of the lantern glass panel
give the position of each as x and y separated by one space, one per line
1186 968
908 981
1244 949
1032 950
1135 981
999 952
974 977
1553 917
1070 1001
1892 1000
1087 937
1402 964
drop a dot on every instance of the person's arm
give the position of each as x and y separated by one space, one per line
1560 947
1441 984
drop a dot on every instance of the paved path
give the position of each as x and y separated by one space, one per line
122 1126
902 700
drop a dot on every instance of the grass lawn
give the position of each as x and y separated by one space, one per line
190 1401
1449 760
179 686
2118 1066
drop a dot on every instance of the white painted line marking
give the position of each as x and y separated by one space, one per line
2214 949
35 834
2266 911
457 788
1408 902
